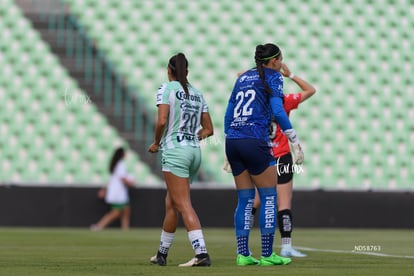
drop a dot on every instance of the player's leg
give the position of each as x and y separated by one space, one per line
125 217
187 163
264 176
284 215
168 232
267 195
107 219
256 205
179 191
245 197
242 217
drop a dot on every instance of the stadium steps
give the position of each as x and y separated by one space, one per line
78 73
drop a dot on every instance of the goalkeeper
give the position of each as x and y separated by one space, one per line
285 165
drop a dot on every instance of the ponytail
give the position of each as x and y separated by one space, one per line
118 154
263 54
179 68
262 77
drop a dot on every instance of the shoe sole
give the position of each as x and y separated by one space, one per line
201 263
154 260
290 255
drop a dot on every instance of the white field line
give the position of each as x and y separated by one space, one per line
354 252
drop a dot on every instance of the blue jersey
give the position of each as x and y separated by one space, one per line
250 107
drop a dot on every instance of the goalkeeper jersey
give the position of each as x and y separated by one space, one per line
249 111
184 115
280 144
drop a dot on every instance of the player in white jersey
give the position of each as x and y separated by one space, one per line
183 120
116 193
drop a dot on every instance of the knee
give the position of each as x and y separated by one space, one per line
180 206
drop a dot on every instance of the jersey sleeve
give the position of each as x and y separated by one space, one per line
162 95
275 82
204 108
279 113
292 101
120 170
228 116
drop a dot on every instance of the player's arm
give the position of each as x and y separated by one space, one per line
281 117
279 113
163 113
128 181
283 120
307 89
207 129
228 115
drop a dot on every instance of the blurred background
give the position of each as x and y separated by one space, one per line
79 78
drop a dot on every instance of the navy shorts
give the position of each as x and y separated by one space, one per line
284 168
252 155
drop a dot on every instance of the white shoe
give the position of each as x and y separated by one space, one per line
159 260
197 262
153 259
95 228
289 251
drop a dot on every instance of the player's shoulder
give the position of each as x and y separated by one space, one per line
167 87
249 75
194 89
171 85
162 87
273 73
120 166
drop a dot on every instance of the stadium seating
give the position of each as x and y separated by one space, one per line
357 131
50 133
347 52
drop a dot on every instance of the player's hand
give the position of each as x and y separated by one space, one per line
298 155
101 193
153 148
240 73
272 130
226 166
285 70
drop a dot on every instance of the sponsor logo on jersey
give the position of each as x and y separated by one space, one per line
248 78
185 136
182 96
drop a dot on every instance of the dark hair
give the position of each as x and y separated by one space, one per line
179 68
263 54
119 153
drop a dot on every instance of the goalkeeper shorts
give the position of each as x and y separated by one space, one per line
284 168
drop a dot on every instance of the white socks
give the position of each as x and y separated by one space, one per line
197 241
166 242
286 242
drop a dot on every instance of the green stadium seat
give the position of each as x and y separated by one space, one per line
355 91
39 126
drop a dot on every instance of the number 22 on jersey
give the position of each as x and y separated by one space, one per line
241 97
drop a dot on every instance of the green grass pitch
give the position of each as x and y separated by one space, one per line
63 251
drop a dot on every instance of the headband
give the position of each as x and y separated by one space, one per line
268 58
171 66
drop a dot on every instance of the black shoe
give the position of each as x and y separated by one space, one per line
203 260
159 259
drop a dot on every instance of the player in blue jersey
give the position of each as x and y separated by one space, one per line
257 97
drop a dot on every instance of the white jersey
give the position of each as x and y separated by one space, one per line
184 115
117 191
